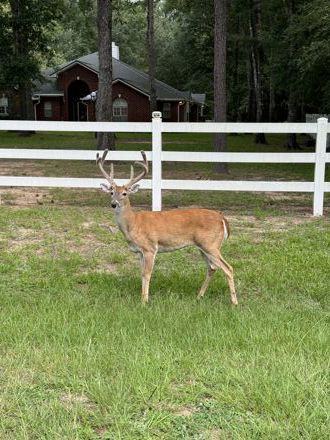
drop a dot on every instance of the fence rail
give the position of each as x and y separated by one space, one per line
320 157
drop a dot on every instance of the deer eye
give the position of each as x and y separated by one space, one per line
112 193
124 193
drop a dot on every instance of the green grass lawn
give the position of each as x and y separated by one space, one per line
82 359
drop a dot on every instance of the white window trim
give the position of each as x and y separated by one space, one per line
120 110
48 109
4 105
167 110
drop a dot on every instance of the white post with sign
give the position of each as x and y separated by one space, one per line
156 161
320 161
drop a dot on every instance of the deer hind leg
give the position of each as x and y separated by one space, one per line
217 260
210 271
147 263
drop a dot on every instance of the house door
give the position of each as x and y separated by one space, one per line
76 109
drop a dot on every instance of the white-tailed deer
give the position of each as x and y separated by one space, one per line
150 232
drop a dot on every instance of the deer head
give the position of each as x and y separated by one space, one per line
119 194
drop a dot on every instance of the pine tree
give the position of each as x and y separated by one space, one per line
220 89
104 92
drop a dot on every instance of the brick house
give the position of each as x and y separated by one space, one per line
68 93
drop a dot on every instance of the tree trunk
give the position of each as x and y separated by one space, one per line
151 54
292 117
220 98
271 105
292 99
256 60
251 103
24 87
104 92
26 107
236 114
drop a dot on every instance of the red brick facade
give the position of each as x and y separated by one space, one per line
56 109
138 103
78 81
75 73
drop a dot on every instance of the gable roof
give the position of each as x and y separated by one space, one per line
47 85
128 74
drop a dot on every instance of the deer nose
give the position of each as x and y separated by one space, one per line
113 205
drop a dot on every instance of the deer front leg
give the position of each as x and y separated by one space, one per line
147 263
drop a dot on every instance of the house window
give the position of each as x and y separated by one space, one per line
48 109
166 110
120 110
3 106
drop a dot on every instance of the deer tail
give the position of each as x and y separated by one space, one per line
226 229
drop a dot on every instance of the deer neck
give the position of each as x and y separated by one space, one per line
125 218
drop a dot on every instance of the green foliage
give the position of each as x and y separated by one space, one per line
76 33
312 31
186 58
24 26
294 44
129 32
294 38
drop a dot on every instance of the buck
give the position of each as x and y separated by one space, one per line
149 232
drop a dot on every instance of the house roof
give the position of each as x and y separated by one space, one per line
47 86
120 72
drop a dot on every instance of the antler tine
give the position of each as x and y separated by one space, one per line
145 167
100 162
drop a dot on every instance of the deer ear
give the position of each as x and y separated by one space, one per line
134 188
106 188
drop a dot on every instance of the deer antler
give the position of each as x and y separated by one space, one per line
100 162
145 167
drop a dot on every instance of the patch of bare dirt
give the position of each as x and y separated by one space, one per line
20 168
69 400
101 268
24 237
23 197
185 411
101 431
215 434
279 223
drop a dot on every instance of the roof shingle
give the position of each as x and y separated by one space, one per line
121 71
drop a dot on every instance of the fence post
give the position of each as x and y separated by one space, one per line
320 161
156 161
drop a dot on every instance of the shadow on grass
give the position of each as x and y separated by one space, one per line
172 287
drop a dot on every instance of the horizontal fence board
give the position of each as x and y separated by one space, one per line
128 127
214 185
239 127
174 127
233 185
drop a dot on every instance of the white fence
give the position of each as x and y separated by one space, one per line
320 157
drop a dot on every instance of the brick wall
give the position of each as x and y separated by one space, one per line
57 109
138 104
70 75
